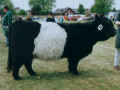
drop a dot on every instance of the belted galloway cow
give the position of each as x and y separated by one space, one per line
52 41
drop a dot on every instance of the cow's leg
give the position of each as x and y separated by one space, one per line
16 67
28 66
73 63
15 74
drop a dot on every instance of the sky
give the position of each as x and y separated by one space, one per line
23 4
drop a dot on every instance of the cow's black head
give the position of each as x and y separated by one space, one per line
104 28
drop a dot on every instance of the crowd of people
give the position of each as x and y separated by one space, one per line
69 15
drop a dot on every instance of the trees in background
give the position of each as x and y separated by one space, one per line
8 3
41 6
102 6
81 9
114 10
37 6
46 6
22 12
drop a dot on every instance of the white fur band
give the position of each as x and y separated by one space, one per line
50 42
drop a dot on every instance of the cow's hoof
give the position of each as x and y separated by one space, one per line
74 72
33 74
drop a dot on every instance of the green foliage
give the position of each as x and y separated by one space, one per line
102 6
36 9
41 6
22 12
114 9
8 3
81 9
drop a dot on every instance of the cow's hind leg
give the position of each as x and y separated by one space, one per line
16 68
29 68
73 63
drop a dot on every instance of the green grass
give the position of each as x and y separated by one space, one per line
96 70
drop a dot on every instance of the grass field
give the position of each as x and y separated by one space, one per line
97 72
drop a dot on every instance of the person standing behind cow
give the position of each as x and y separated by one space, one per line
29 16
59 19
70 14
65 17
117 45
6 21
50 18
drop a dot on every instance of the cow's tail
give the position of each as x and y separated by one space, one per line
9 62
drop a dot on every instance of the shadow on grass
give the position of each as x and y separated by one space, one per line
65 75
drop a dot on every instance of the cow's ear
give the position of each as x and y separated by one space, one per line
98 18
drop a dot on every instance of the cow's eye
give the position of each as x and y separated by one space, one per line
100 27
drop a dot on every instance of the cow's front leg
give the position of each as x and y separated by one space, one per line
73 63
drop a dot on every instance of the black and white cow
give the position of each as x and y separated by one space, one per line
50 41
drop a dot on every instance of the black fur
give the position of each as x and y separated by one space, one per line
80 40
82 37
21 38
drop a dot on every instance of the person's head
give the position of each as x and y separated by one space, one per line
5 9
66 14
50 14
69 10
